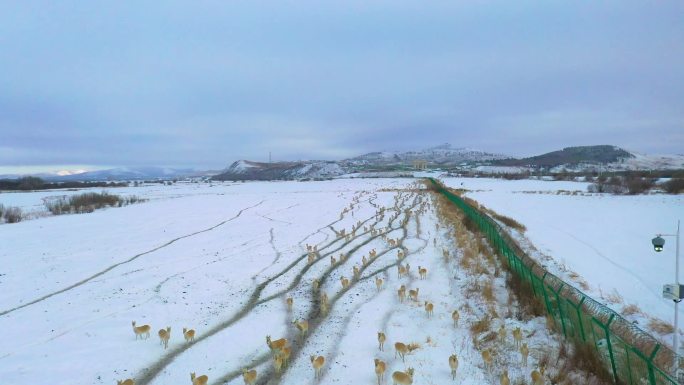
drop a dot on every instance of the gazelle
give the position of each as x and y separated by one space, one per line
401 293
344 281
141 331
364 261
381 341
537 378
189 335
517 337
403 349
164 336
400 255
315 284
502 333
284 355
249 376
127 381
504 378
276 345
380 368
408 269
453 364
277 363
422 272
317 363
309 247
392 242
201 380
524 352
333 261
378 283
356 272
413 294
429 308
311 257
455 316
403 378
303 327
401 271
487 358
289 301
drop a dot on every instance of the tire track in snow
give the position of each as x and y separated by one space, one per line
114 266
254 300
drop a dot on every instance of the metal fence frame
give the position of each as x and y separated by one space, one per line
631 355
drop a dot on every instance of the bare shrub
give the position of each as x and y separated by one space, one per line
659 326
631 310
12 214
481 326
488 292
88 202
674 186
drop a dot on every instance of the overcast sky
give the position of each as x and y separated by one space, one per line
201 84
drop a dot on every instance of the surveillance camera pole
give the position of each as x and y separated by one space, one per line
675 346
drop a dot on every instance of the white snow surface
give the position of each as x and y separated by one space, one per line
222 258
606 239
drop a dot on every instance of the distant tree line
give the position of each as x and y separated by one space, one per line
29 183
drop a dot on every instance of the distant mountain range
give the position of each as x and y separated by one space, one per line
119 173
445 156
602 157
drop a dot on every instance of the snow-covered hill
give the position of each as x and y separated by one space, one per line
444 154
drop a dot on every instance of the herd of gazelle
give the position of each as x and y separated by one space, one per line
143 332
281 350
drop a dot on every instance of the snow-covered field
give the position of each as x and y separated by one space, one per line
222 259
605 239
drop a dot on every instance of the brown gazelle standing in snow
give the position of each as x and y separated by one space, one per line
289 301
422 272
277 345
277 363
189 335
141 331
403 378
380 368
345 282
504 378
487 358
164 336
125 382
201 380
403 349
455 316
524 352
402 293
537 378
303 327
517 337
453 364
413 294
381 341
429 308
317 363
249 376
378 283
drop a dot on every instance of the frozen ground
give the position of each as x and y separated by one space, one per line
222 259
605 239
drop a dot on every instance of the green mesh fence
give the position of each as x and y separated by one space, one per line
631 355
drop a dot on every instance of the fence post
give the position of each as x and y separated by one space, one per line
546 296
560 308
610 347
651 374
580 319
